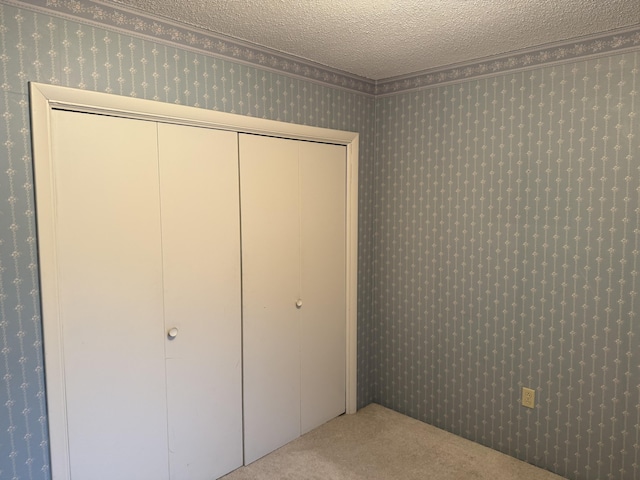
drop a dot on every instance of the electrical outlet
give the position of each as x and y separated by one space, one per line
528 397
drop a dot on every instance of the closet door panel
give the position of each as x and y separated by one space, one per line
323 281
109 267
270 252
201 253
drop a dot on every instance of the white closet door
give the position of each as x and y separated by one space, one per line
270 279
201 252
108 261
323 280
293 248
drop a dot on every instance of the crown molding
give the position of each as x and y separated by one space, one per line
127 21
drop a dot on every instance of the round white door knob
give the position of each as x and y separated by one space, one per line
173 333
299 304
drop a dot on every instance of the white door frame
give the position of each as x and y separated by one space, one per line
45 98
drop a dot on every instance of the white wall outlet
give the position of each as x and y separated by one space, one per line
528 397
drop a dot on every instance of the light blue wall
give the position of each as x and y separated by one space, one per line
43 48
507 227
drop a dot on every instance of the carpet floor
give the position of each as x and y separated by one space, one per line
380 444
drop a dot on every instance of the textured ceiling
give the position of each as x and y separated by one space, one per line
379 39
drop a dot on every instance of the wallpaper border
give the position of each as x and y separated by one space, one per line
605 43
129 22
122 19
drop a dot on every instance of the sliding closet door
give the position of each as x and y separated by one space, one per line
105 178
201 254
323 282
270 279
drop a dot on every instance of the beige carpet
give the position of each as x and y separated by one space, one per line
378 443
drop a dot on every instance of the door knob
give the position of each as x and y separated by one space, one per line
172 333
299 304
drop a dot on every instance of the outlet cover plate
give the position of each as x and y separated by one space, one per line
528 397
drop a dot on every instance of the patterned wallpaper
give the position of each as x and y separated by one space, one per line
499 228
507 249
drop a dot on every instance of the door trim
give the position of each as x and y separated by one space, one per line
45 98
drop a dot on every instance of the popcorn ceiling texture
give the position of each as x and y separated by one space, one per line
378 39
